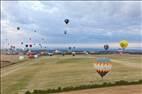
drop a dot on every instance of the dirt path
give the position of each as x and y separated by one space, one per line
132 89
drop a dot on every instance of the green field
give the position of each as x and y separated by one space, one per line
52 72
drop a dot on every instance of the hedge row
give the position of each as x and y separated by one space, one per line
89 86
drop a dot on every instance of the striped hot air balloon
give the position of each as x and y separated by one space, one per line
103 66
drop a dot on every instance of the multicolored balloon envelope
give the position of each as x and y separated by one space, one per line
103 66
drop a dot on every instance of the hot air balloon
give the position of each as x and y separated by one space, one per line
26 45
21 57
124 44
103 66
30 45
66 21
69 48
18 28
106 47
65 32
21 42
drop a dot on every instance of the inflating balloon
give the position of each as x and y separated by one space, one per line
124 44
21 57
106 47
103 66
35 56
66 21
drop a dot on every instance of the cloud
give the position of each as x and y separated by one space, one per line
90 21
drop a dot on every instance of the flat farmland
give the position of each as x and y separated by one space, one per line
54 71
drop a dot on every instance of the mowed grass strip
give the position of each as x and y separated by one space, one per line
52 72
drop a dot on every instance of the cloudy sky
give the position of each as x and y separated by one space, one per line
92 23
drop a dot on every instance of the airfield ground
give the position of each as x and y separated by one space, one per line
54 71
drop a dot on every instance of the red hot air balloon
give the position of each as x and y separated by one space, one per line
26 45
30 55
65 32
30 45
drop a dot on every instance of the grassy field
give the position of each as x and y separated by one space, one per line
51 72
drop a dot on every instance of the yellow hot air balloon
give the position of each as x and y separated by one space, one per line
124 44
